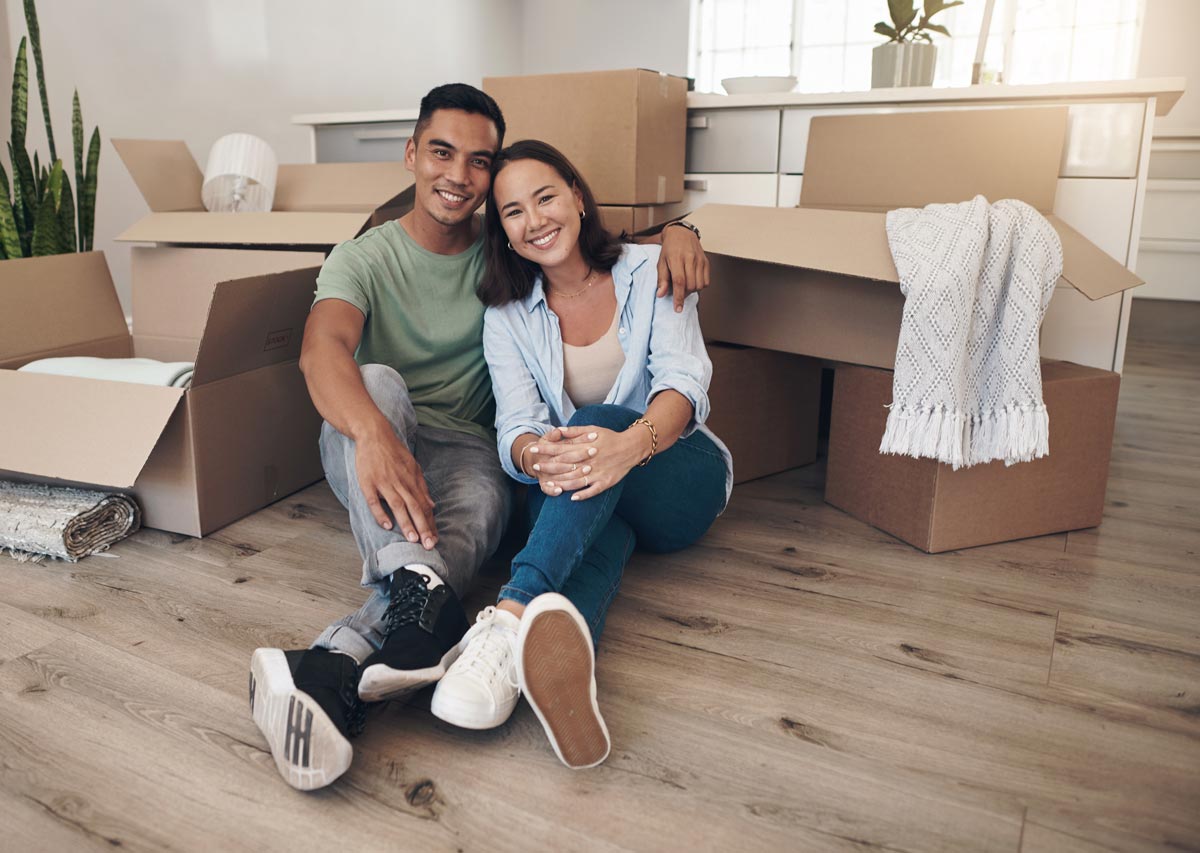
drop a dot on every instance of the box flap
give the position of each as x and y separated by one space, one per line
56 302
346 187
886 161
278 228
81 430
253 322
840 241
851 242
173 287
1088 268
165 172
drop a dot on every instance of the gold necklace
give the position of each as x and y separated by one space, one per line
591 279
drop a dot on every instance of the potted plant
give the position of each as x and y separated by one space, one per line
909 56
39 213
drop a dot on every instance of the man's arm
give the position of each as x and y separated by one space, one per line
387 471
682 266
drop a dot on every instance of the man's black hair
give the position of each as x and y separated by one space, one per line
459 96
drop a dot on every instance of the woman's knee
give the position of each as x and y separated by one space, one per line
604 415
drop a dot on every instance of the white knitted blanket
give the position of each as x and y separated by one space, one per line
977 278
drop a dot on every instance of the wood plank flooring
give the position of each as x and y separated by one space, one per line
796 681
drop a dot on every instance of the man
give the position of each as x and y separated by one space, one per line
393 359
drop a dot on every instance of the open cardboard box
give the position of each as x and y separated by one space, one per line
625 130
243 435
819 279
317 205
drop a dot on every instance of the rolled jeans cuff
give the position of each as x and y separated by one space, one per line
508 592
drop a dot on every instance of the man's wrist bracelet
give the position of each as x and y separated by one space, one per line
653 439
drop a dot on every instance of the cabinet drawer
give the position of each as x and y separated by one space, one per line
1080 330
1100 209
362 143
733 141
1172 210
760 190
1103 141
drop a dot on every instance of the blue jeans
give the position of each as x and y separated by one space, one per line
580 548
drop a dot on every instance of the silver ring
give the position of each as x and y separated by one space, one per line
573 466
585 482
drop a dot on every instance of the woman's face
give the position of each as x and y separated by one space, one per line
539 212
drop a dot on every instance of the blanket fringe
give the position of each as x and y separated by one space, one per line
1017 432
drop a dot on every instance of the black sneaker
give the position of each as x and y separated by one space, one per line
305 703
424 626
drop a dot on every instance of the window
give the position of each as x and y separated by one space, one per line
827 43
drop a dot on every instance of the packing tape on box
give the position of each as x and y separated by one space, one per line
663 84
662 190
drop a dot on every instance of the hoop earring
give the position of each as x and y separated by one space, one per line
510 248
582 214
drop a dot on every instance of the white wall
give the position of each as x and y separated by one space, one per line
1169 49
197 69
587 35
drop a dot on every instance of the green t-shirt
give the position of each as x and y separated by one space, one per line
422 318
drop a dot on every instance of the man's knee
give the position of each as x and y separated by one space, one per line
604 415
382 382
390 394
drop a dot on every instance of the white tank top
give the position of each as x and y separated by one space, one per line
589 372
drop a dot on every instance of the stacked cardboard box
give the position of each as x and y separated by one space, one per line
229 291
819 280
928 504
624 131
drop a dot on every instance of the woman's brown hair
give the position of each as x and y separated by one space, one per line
508 276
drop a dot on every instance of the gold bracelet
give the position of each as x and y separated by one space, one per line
521 457
653 439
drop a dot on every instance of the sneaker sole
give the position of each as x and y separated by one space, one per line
308 749
381 683
557 678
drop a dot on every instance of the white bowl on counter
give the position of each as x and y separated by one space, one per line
758 85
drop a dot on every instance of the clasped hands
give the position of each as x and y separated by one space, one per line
585 460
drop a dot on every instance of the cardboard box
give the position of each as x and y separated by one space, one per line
625 131
928 504
245 433
317 205
630 219
765 406
819 279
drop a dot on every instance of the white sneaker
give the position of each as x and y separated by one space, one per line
479 691
556 670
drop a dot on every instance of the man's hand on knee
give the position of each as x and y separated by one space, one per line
388 474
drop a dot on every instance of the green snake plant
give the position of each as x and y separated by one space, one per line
38 210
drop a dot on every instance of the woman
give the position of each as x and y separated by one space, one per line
601 393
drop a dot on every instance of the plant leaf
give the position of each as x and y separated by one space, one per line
47 233
20 97
884 30
10 239
88 193
25 207
35 38
898 9
937 28
66 218
77 143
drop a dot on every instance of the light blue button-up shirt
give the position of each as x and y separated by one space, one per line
663 349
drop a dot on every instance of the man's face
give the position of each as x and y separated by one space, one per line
450 162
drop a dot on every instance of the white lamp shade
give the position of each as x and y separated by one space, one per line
240 175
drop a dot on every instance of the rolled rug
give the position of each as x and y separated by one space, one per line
53 521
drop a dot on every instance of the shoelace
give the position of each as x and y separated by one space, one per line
356 709
407 602
479 657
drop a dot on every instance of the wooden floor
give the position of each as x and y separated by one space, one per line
798 681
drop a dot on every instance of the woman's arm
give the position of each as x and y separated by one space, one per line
521 414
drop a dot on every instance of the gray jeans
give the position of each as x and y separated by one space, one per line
473 498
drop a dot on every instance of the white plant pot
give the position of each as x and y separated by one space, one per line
903 64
